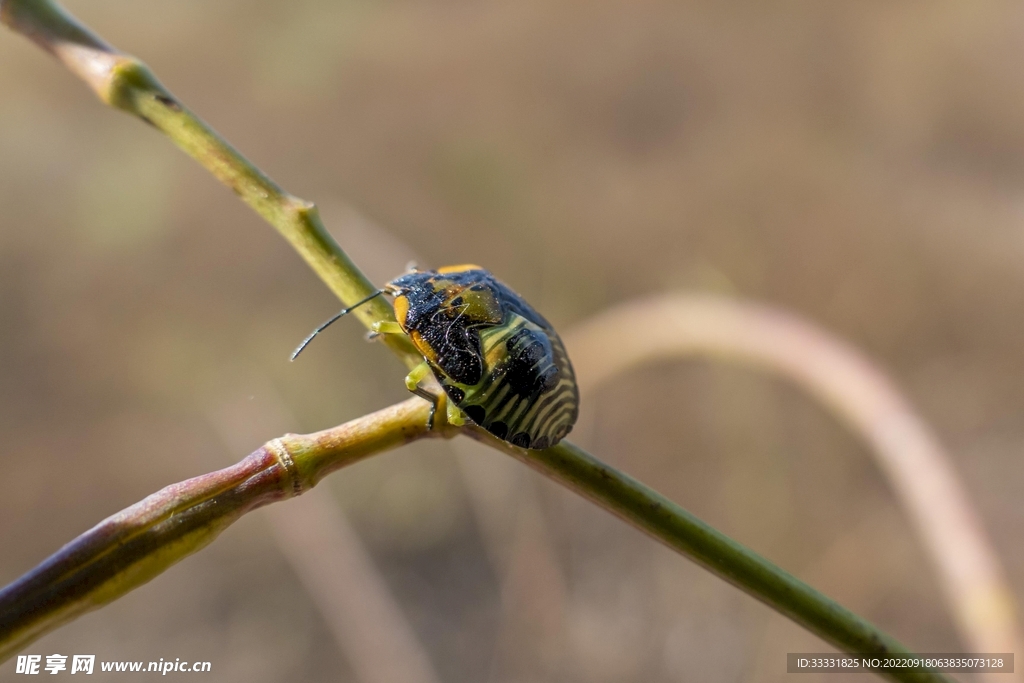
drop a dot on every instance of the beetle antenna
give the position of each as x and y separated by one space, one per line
305 342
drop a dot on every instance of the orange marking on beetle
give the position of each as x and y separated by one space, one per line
423 347
401 310
459 268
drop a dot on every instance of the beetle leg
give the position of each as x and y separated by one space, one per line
412 383
417 375
385 328
453 414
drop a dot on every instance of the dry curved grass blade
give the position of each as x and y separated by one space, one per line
907 451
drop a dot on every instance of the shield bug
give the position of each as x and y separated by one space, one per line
500 362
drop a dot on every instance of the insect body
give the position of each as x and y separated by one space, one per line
498 360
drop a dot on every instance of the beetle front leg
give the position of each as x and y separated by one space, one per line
385 327
412 383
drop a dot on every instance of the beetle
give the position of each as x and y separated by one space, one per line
500 363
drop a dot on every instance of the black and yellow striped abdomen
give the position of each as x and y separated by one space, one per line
527 395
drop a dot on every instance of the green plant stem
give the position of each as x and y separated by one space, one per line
137 544
669 523
124 82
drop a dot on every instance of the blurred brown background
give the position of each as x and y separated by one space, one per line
861 164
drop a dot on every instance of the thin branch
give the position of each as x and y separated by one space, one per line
907 451
135 545
124 82
669 523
